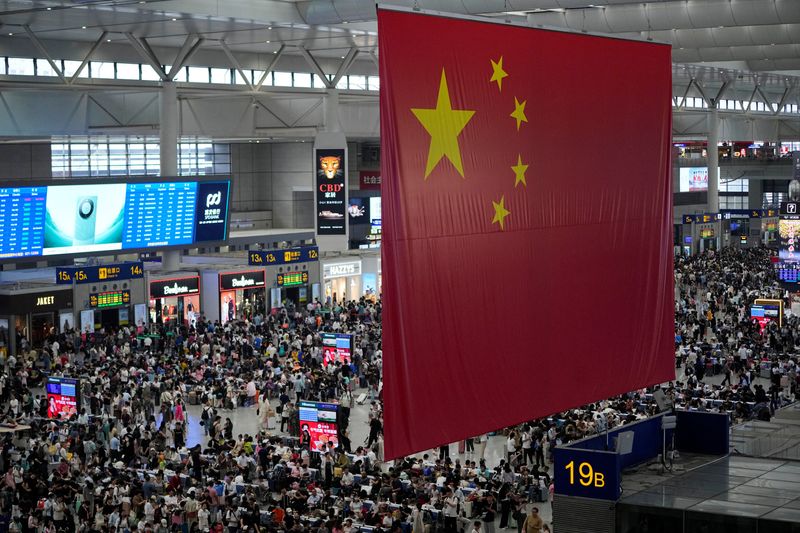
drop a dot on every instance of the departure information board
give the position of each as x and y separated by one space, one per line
89 217
22 231
160 214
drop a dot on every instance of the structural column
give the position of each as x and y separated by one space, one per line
713 161
168 123
332 123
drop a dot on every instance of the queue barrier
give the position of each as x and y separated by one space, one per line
592 467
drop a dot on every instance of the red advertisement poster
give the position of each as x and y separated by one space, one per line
62 397
318 425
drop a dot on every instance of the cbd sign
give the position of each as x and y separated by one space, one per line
330 187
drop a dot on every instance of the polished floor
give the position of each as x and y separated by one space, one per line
733 485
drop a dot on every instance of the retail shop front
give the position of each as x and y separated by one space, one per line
175 300
33 314
242 295
342 280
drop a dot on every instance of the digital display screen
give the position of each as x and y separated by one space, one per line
62 397
789 234
97 217
336 347
331 191
693 179
318 424
103 300
788 272
764 314
292 279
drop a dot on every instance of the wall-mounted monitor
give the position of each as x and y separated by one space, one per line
90 217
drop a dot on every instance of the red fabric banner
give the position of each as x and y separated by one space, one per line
527 223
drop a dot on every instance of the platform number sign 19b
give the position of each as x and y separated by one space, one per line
587 473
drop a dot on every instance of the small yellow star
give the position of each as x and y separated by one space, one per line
519 172
519 112
500 212
498 73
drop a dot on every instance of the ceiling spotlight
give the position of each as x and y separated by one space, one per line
275 52
269 42
108 40
49 8
269 28
173 20
83 27
10 34
342 57
344 22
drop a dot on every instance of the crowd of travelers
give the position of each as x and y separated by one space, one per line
127 460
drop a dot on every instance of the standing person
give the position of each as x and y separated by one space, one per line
375 428
533 522
482 441
489 513
444 452
470 445
450 512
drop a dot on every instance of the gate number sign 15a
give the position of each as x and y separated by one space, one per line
586 474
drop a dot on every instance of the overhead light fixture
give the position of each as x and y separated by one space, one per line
269 42
344 22
269 28
10 34
49 8
83 27
173 20
108 40
275 52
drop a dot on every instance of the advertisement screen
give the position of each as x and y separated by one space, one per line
99 217
693 179
358 209
62 397
331 191
336 347
789 233
764 314
318 425
227 306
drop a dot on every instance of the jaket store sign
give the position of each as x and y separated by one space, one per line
241 280
166 288
341 270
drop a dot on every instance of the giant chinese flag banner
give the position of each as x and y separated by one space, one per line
527 223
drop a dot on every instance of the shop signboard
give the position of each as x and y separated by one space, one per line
167 288
241 280
331 191
99 273
318 425
341 270
289 256
38 302
369 180
63 397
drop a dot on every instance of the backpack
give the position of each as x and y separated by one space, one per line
204 414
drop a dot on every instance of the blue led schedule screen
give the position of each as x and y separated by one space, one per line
22 229
98 217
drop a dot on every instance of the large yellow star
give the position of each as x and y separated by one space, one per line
498 73
444 124
500 212
519 172
519 112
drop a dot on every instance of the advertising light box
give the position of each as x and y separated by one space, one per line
318 425
63 397
92 217
336 347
